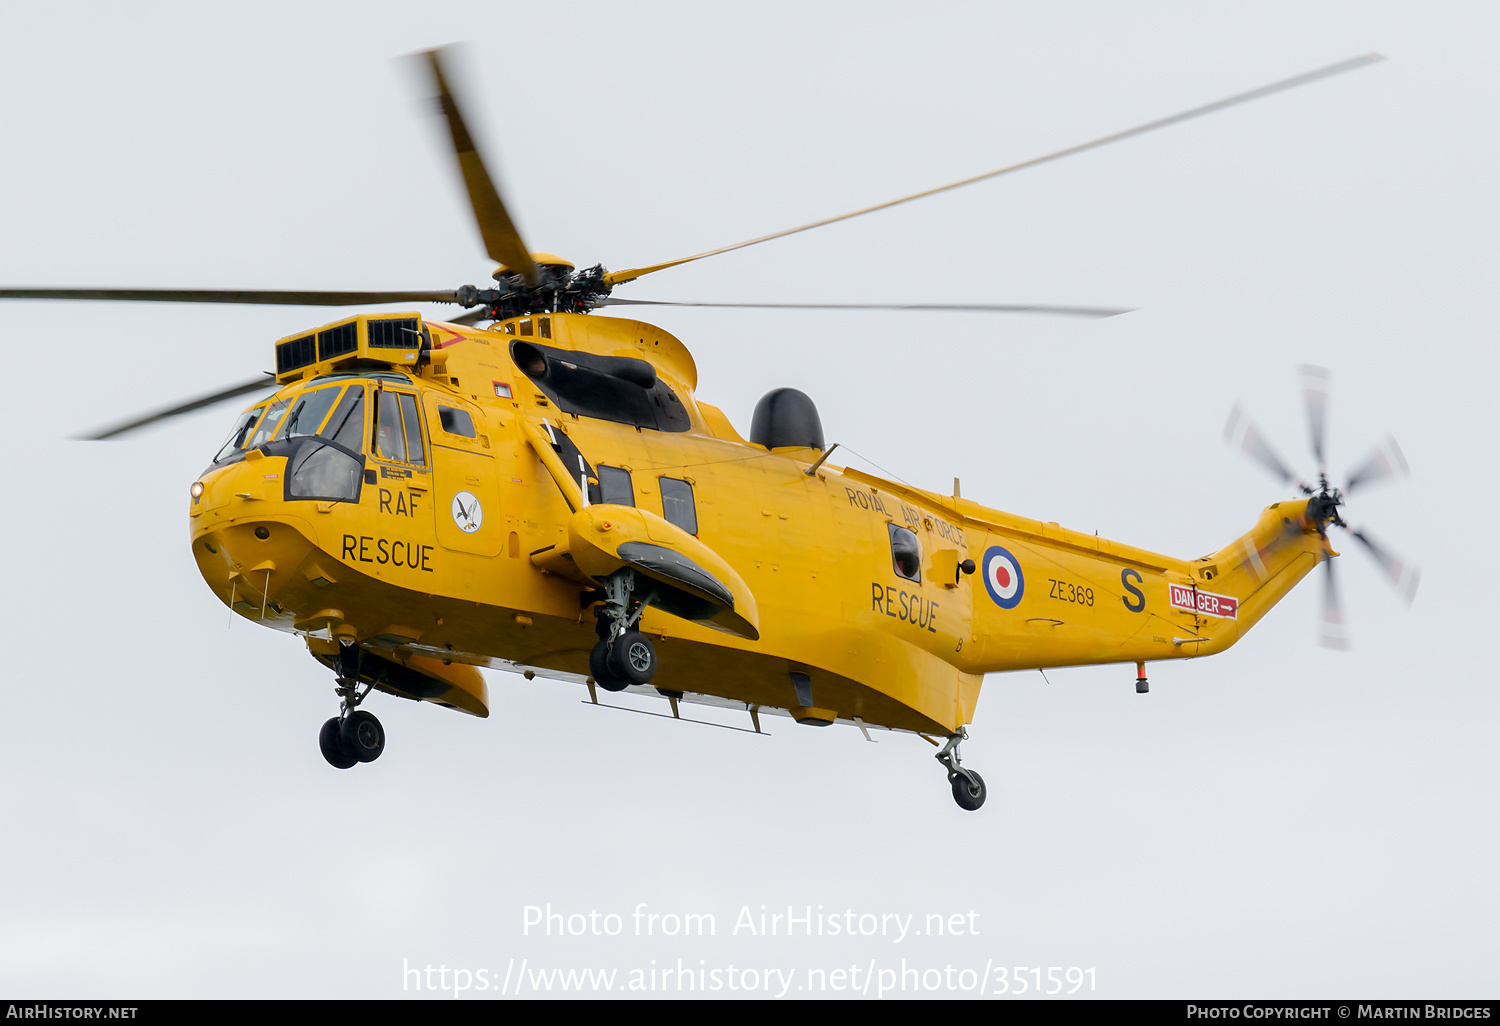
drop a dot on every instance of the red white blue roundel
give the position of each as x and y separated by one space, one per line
1003 578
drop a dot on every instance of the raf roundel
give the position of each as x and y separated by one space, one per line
1003 578
468 514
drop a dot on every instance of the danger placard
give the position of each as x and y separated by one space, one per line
1184 596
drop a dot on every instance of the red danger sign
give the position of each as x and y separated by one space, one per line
1185 596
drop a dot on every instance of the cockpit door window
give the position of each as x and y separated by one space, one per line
413 430
398 432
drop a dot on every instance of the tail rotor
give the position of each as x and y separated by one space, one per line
1385 462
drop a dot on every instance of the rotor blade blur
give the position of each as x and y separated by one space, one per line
620 277
1065 311
260 384
247 296
1241 433
1403 575
471 318
1384 463
501 240
1315 395
1334 632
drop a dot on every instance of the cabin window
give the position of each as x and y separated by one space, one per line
238 435
677 506
906 553
457 422
615 487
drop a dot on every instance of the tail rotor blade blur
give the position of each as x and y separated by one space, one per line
1403 575
1241 433
1384 463
1315 395
1335 632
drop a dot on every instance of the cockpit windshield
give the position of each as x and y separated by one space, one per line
241 431
301 416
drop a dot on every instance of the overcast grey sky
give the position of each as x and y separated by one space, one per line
1277 821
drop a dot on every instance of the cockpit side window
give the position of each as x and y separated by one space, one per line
241 431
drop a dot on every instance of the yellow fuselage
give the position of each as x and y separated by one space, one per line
403 573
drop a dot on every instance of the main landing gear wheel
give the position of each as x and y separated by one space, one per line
354 735
629 659
362 735
968 793
333 746
624 656
599 669
632 657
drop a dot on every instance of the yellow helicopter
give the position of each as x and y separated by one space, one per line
548 495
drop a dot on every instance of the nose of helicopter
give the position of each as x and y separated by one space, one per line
251 550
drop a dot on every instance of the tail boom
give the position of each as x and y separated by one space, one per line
1046 596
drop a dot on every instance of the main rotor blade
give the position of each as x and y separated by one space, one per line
1335 631
260 384
1241 433
1385 462
620 277
1315 396
1066 311
253 296
501 240
1405 576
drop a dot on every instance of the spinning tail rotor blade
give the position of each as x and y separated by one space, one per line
264 382
1403 575
1335 632
1384 463
1243 435
1315 395
1063 311
620 277
501 240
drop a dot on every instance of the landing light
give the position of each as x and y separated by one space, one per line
196 489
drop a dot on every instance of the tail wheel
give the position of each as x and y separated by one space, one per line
332 744
970 796
363 736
